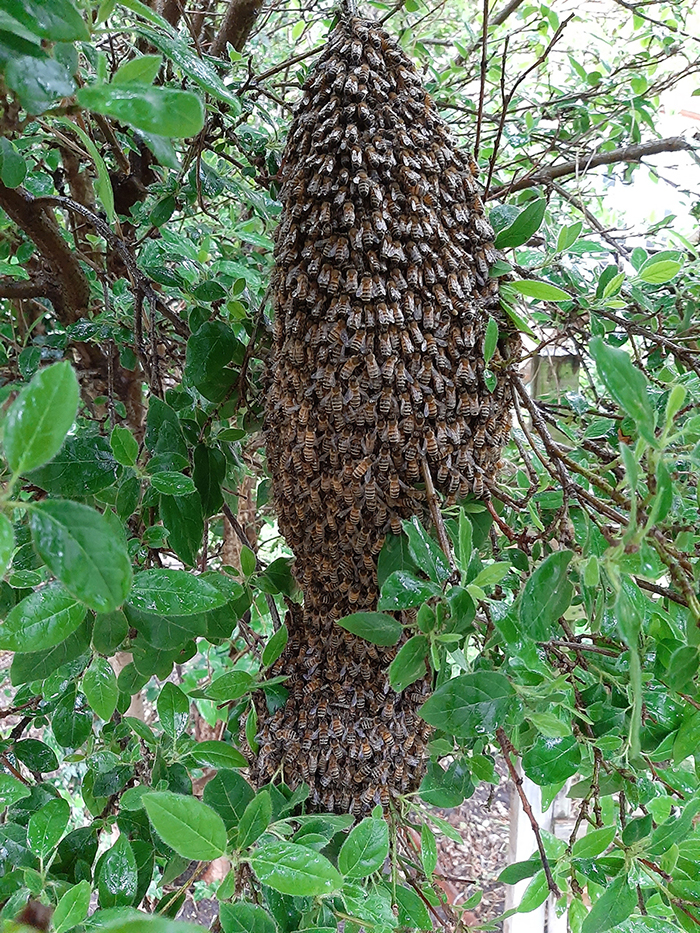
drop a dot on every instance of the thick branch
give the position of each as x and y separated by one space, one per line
236 26
72 287
589 160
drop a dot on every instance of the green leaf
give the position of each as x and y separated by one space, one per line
294 869
73 907
428 849
255 820
413 913
375 627
365 850
174 484
71 722
275 646
525 225
214 754
100 688
40 417
83 466
37 665
173 592
470 705
13 168
43 619
173 709
47 826
427 554
209 351
161 110
241 917
103 185
552 760
38 83
657 273
542 291
568 236
409 664
687 740
187 825
182 516
56 20
403 590
7 544
124 446
613 906
143 70
79 547
194 66
546 596
627 385
490 339
229 794
36 755
116 875
535 893
230 686
11 790
594 843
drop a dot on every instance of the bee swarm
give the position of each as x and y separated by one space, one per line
381 291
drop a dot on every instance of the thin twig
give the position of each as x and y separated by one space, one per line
482 78
506 749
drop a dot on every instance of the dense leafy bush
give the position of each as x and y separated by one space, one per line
137 179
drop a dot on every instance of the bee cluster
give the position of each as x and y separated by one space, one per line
382 294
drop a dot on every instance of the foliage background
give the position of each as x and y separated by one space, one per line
138 162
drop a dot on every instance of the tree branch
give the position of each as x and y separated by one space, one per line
236 26
506 749
589 160
72 289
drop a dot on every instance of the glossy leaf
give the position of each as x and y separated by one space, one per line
173 709
627 385
470 705
365 850
116 874
254 820
72 908
242 917
552 760
294 869
187 825
613 906
175 592
100 688
47 826
524 226
375 627
214 754
78 545
41 620
546 596
403 590
409 664
40 417
161 110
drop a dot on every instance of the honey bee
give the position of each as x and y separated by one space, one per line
333 284
367 795
371 503
336 727
393 434
373 370
394 487
364 291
